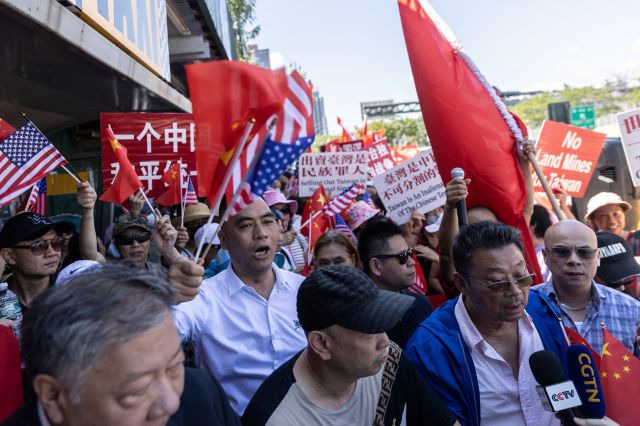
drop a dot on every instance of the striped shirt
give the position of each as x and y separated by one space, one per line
619 312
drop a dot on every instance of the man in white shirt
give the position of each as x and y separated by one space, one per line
244 322
474 350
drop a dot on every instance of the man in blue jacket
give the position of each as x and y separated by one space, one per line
474 351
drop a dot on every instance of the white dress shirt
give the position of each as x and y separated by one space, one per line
503 399
240 337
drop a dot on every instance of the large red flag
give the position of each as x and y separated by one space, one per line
620 377
173 194
5 129
126 181
225 96
468 125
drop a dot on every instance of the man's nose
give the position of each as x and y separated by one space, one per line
166 403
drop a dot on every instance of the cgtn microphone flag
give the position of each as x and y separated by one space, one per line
26 156
225 96
468 124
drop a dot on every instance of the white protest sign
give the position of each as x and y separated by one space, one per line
413 185
629 123
335 171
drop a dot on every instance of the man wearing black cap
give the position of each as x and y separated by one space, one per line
618 268
349 373
31 247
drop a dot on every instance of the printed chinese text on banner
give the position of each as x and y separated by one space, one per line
154 142
225 96
336 171
26 156
468 124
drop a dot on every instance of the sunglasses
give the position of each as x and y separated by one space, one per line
39 247
504 285
127 240
402 257
582 252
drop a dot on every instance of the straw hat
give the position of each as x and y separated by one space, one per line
193 212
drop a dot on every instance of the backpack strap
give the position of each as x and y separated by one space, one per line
388 378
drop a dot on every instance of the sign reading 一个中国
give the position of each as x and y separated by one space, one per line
138 27
153 142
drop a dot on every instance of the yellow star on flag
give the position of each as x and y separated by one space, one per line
225 155
625 357
604 374
115 145
616 376
626 369
605 350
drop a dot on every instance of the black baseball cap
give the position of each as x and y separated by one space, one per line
23 227
346 296
616 259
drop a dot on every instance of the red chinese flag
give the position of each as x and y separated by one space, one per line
620 377
126 181
5 129
10 374
468 125
172 195
225 96
576 338
319 224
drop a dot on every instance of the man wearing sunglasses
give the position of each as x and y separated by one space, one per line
571 253
388 261
31 247
474 349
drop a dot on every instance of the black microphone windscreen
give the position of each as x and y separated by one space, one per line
546 368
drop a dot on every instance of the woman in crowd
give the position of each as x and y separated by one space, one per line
335 248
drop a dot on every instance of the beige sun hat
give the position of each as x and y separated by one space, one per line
605 199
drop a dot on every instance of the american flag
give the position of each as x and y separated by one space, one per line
292 134
26 156
190 196
367 199
37 200
340 202
342 226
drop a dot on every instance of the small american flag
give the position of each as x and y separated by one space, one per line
37 201
367 199
342 226
340 202
26 156
190 196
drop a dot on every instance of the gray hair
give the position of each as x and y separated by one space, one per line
482 235
69 327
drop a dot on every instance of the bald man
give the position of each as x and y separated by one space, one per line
571 253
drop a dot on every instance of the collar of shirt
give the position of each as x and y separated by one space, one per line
596 297
469 331
44 421
235 284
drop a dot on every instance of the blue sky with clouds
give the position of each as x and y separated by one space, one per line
353 50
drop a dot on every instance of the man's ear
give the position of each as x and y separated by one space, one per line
51 396
374 267
319 343
9 256
459 282
223 236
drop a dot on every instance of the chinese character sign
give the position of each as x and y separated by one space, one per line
413 185
380 158
567 156
629 123
334 170
154 142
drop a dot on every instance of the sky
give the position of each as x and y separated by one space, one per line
354 51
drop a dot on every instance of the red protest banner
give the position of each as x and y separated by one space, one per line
380 158
154 142
567 155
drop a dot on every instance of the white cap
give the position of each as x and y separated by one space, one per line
74 269
435 226
210 230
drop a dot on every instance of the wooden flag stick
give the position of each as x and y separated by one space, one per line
182 194
73 175
547 189
227 177
316 214
149 203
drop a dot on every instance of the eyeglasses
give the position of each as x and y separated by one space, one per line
39 247
504 285
582 252
127 240
402 257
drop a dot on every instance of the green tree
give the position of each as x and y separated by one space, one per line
242 13
403 131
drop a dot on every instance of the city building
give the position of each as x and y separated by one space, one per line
259 57
319 116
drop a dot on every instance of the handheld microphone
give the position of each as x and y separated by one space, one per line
586 378
560 393
461 207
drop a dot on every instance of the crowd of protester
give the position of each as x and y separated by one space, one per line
424 322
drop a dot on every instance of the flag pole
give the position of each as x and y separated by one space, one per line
74 176
149 203
313 216
545 186
182 195
227 176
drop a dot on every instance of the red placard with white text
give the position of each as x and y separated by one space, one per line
153 142
567 156
380 158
